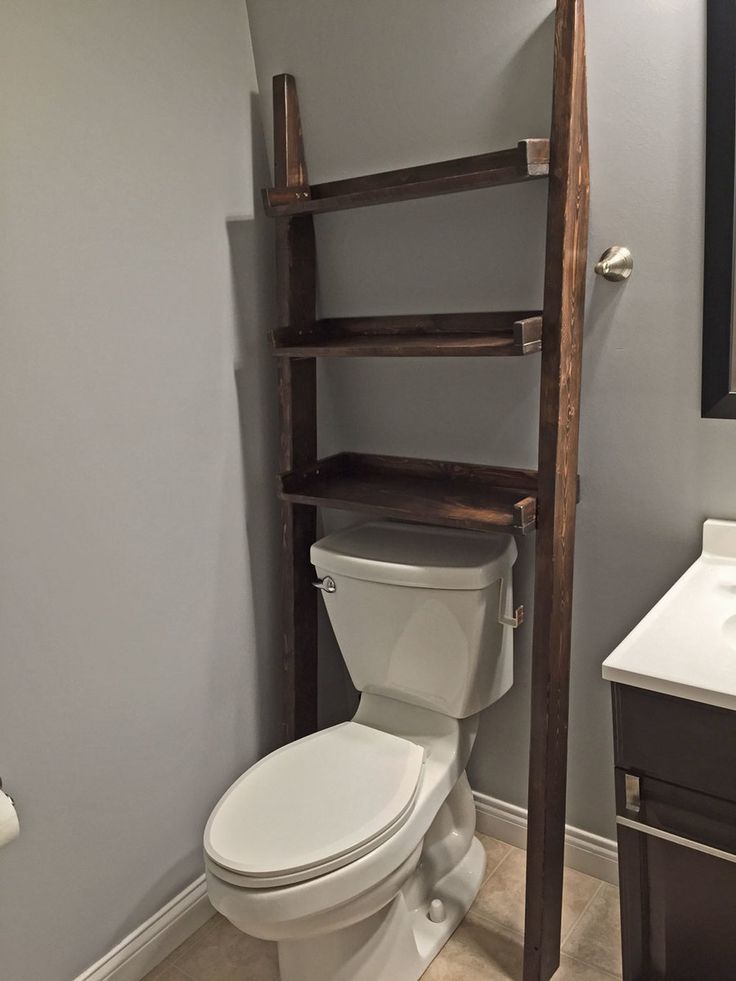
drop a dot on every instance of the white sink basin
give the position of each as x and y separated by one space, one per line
686 645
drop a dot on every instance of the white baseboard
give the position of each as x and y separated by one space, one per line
584 851
146 947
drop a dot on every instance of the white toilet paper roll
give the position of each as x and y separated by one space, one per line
9 827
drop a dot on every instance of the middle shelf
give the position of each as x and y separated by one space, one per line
456 495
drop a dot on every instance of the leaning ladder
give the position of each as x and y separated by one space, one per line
436 492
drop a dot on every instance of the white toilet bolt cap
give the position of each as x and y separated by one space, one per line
437 911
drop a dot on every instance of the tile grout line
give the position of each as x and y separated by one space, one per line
574 927
190 943
583 911
520 933
484 918
176 965
491 921
498 864
184 974
596 967
575 922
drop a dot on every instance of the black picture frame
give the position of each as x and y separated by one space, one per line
719 333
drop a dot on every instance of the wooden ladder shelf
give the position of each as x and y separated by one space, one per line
449 494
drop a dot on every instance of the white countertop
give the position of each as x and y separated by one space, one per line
686 644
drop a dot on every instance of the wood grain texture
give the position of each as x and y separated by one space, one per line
564 298
529 160
632 875
290 166
455 495
506 334
297 386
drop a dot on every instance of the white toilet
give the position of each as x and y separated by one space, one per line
353 847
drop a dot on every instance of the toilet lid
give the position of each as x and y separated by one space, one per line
315 804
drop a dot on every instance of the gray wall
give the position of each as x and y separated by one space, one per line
137 665
389 84
137 670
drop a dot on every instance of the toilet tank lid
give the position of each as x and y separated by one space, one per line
416 555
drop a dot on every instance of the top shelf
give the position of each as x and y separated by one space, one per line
528 160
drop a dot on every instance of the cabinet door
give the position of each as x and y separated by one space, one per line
677 866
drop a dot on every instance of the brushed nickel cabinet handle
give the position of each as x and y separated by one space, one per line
695 846
633 793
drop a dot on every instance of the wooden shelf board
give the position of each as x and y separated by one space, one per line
440 335
455 495
528 160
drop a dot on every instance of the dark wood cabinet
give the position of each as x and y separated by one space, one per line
676 813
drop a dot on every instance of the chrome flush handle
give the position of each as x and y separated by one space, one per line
327 585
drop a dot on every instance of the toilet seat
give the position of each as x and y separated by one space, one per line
308 907
315 805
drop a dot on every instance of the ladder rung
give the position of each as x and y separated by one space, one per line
529 160
506 334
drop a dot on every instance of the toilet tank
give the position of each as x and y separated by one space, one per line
416 612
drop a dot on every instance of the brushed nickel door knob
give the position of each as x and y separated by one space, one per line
616 264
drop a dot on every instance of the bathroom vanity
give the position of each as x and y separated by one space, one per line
674 706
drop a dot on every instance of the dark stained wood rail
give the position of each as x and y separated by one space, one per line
432 335
450 494
297 382
455 495
564 302
529 160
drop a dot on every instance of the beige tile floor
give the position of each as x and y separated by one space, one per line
487 946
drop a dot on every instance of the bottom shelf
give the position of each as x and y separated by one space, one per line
456 495
496 335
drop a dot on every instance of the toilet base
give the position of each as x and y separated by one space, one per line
400 941
396 943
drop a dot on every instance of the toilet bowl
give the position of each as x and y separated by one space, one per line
353 848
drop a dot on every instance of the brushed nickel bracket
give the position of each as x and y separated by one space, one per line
517 617
514 621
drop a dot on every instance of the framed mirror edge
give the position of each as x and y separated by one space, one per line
719 302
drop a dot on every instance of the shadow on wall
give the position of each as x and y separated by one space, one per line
251 251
